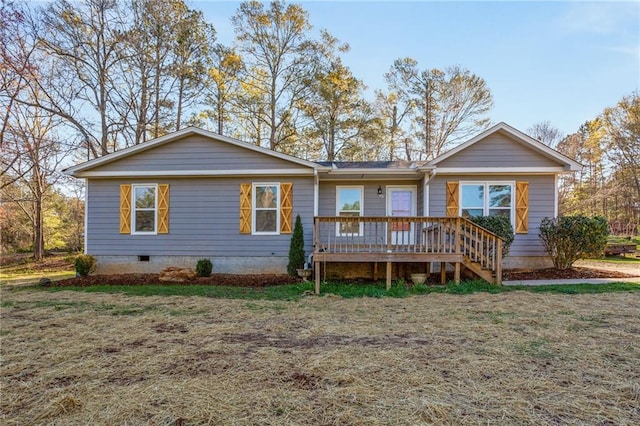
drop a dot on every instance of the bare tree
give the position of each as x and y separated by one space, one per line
546 133
33 135
278 55
447 106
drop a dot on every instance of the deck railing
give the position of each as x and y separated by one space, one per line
409 235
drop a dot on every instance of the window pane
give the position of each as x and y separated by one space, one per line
472 212
145 221
266 220
145 197
266 197
499 195
349 199
472 195
501 212
350 227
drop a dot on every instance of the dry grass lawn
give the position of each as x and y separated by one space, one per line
513 358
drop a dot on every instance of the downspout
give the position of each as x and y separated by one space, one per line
555 196
425 193
316 192
86 211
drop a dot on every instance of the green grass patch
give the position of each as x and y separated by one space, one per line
283 292
579 288
345 290
620 259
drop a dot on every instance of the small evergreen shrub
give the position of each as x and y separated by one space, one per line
296 249
499 225
569 238
85 264
204 268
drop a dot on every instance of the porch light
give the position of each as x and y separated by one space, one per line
380 191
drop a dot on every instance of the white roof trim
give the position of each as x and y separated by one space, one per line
570 165
196 173
74 170
357 171
500 170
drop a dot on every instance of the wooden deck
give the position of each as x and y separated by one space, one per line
453 240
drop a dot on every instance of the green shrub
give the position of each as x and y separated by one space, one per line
569 238
85 264
204 268
296 249
499 225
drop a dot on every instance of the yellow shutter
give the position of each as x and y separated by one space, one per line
163 209
453 199
125 209
522 207
245 208
286 207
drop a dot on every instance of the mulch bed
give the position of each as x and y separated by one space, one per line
257 280
264 280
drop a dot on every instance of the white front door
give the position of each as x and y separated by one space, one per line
401 202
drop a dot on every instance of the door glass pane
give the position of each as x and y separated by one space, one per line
401 203
499 195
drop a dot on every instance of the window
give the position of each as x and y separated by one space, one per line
266 213
145 208
349 204
487 199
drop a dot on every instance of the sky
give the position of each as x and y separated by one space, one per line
562 62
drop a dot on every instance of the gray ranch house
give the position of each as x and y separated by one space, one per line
194 194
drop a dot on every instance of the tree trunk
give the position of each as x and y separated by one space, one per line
38 225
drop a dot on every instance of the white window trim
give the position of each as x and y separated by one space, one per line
360 230
133 208
485 209
254 206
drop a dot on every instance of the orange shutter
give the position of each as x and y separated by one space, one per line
163 209
245 208
453 199
286 207
522 207
125 209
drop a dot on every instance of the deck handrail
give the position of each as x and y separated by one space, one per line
409 235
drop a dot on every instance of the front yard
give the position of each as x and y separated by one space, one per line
71 357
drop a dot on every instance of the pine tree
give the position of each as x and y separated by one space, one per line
296 250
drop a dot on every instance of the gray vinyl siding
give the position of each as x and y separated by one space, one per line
203 219
196 153
498 150
541 205
373 205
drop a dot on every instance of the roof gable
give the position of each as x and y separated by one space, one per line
504 147
191 152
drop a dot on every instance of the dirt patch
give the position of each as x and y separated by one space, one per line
555 274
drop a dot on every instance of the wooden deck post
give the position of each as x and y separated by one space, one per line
499 263
443 272
388 275
316 270
456 275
